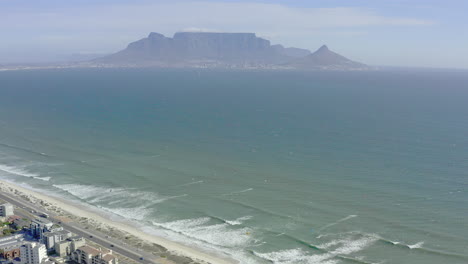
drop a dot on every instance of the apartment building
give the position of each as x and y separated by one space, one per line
52 238
33 253
90 255
66 247
6 210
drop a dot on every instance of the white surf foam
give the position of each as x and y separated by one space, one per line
21 171
114 196
349 246
126 203
224 234
43 178
86 192
134 213
417 245
295 256
239 220
243 191
18 171
334 248
337 222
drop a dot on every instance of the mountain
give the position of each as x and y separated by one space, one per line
231 50
291 52
326 59
188 48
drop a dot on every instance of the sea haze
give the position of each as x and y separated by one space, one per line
268 167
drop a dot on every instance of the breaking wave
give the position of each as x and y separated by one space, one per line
17 171
330 253
212 231
22 172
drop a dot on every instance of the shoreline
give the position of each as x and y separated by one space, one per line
80 212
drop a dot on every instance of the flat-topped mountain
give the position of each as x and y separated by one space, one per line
206 49
191 47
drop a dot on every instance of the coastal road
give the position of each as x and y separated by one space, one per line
89 234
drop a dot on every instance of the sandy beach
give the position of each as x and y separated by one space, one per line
97 220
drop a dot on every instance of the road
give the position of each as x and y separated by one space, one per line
89 234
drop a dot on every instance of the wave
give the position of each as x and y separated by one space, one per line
43 178
122 197
190 183
20 171
263 210
217 234
337 222
132 213
17 171
85 192
127 203
239 221
243 191
294 256
332 252
419 247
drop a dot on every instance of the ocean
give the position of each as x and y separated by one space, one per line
266 167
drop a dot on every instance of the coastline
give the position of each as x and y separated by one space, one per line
95 219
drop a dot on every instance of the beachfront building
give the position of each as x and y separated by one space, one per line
10 251
51 238
20 223
33 253
66 247
10 246
39 226
6 210
90 255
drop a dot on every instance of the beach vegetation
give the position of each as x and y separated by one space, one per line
7 232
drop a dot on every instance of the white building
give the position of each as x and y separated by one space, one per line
33 253
66 247
90 255
52 238
6 210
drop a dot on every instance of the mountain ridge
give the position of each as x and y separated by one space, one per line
232 50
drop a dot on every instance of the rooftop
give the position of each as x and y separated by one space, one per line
42 221
108 257
57 232
89 250
11 245
12 238
75 238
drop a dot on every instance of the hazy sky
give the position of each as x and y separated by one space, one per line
432 33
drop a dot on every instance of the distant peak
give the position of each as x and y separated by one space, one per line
323 48
155 35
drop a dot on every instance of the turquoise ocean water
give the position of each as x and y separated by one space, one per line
267 167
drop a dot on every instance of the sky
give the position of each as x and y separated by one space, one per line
409 33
